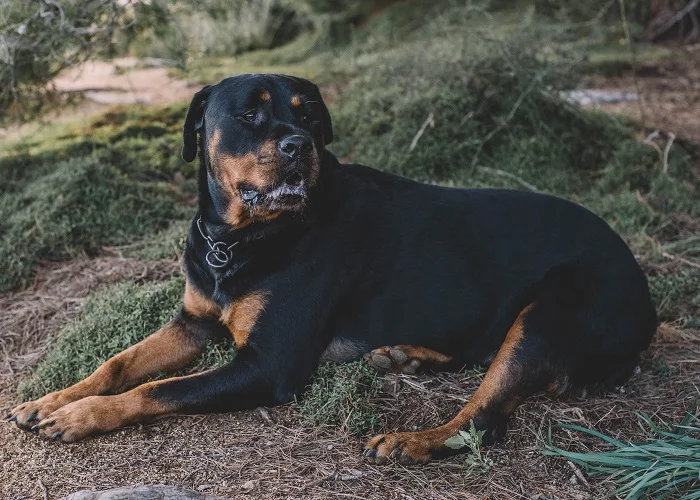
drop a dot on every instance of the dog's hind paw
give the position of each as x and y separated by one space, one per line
393 359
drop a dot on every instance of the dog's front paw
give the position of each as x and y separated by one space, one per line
407 448
75 421
30 413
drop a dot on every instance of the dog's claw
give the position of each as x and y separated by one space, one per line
34 428
11 418
31 417
370 452
56 435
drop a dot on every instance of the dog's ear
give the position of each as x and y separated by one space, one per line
193 123
326 123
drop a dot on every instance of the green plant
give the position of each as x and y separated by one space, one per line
65 193
185 30
343 396
477 461
677 297
666 465
77 208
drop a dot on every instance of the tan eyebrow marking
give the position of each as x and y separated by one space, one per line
296 101
265 96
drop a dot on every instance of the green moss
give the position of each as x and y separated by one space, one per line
343 396
111 321
166 244
677 297
627 212
66 193
77 208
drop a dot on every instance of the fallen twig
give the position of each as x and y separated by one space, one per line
430 121
577 472
663 155
671 138
44 491
681 259
514 177
690 7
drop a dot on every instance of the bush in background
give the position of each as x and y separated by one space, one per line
38 39
67 195
181 30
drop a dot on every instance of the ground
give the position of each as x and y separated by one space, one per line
274 452
271 452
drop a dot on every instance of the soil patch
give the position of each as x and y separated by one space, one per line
271 453
668 94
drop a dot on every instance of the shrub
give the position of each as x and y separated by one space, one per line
457 107
39 39
67 193
77 208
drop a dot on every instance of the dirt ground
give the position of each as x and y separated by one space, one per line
668 94
271 453
103 84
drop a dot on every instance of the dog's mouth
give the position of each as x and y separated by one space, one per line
291 194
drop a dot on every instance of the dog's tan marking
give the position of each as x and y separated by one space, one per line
170 348
265 96
498 391
198 305
296 101
98 414
213 144
256 170
242 314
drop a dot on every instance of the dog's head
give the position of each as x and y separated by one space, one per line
262 137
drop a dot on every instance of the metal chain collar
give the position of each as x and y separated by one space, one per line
219 254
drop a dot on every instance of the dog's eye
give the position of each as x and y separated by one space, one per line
250 116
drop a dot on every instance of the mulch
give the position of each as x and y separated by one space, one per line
272 453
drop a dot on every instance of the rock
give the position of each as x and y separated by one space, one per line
589 97
144 492
249 486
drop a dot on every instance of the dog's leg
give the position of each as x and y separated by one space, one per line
244 383
406 359
521 368
171 348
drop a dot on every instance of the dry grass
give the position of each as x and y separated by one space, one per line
669 93
272 453
28 318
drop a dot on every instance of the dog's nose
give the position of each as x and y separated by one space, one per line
294 179
292 145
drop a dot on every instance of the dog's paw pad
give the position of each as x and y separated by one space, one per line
406 448
393 359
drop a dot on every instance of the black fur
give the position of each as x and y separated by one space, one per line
382 260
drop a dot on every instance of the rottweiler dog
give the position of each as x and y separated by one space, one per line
305 260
